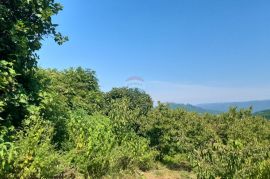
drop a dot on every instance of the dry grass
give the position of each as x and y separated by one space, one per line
160 173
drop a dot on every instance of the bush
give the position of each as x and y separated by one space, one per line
137 99
132 153
263 170
64 92
90 143
174 132
243 145
7 151
95 150
32 155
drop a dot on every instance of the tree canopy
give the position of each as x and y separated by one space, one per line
23 24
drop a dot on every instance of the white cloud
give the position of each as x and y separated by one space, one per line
194 94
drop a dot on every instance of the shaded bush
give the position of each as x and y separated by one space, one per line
31 154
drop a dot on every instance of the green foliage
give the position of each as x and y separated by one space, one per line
7 83
73 89
23 24
66 91
243 144
137 99
58 123
36 155
230 145
76 128
11 95
7 150
124 119
31 154
176 131
128 107
95 150
133 152
90 143
262 170
127 126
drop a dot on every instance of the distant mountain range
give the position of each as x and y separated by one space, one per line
259 107
223 107
191 108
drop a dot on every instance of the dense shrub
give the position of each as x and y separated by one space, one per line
132 153
90 143
95 150
243 145
124 119
74 88
176 131
66 91
7 151
31 154
23 24
73 130
230 145
137 99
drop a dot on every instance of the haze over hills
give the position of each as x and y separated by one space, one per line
191 108
258 105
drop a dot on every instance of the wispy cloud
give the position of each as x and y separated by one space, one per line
194 94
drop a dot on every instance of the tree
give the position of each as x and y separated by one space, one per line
23 24
74 88
66 91
138 98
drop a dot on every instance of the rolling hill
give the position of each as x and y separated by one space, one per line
191 108
223 107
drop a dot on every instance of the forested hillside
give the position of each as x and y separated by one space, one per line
59 124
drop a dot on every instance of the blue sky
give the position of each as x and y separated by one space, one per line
187 51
